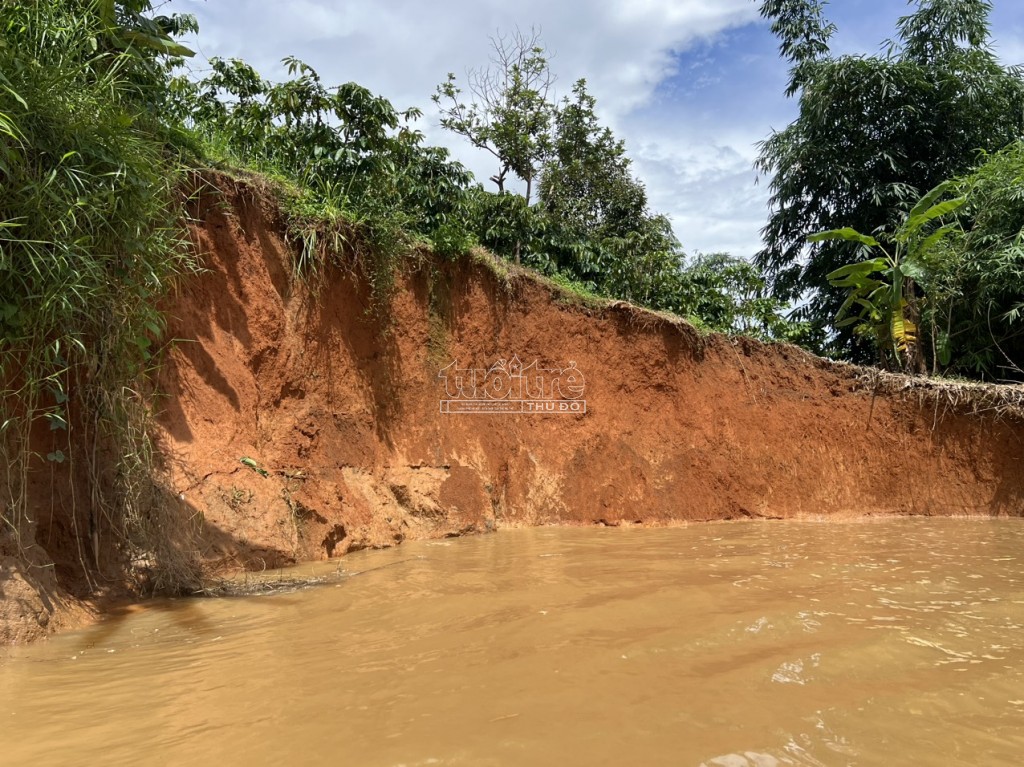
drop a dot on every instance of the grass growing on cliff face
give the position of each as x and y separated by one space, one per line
360 184
375 247
91 238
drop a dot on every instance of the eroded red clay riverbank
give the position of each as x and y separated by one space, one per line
347 447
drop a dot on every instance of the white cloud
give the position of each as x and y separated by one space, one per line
707 187
403 48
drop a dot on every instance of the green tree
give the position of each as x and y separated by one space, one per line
599 228
509 111
586 183
591 223
727 294
349 148
872 134
976 283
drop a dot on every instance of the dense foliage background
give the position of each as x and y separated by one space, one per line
873 135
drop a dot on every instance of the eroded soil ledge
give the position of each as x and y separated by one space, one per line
351 449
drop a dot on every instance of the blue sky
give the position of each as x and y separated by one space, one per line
691 85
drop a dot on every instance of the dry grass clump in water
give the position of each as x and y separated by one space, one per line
259 584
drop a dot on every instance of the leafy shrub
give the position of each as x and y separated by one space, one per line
977 281
352 154
91 238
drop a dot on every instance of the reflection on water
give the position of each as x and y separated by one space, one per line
729 645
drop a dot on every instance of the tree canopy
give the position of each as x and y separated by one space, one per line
975 284
510 111
873 133
600 229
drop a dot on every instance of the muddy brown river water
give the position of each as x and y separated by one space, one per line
896 642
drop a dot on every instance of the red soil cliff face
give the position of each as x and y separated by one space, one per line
345 421
677 428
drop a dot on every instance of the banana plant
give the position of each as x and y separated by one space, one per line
883 300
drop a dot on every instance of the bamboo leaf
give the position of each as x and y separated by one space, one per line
108 12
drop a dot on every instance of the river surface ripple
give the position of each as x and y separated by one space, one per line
728 645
